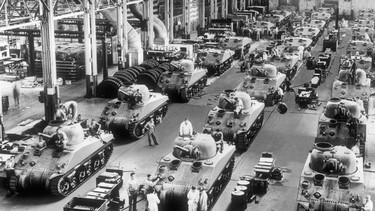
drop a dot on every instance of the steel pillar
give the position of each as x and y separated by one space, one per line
201 13
171 19
93 48
87 34
120 38
51 95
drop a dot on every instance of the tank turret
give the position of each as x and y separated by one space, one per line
263 83
343 123
238 125
194 161
60 159
183 81
130 112
332 178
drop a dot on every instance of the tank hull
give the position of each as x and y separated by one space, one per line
329 192
213 176
183 86
216 61
56 170
123 120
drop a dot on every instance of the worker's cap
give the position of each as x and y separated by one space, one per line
148 175
193 187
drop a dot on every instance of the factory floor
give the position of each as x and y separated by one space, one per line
289 137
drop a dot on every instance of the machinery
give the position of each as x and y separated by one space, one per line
332 179
331 41
183 81
133 108
306 97
362 52
309 32
343 123
105 196
41 163
291 44
263 83
239 129
321 15
194 161
216 61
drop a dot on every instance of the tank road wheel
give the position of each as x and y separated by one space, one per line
136 130
96 164
81 175
13 182
59 186
74 183
241 142
186 95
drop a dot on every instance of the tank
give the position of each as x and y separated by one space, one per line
195 162
347 85
291 44
216 61
132 109
41 165
343 123
183 80
321 15
262 83
239 130
362 52
309 32
320 24
332 179
240 46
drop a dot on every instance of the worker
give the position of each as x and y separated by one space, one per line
9 171
360 103
59 138
133 187
300 52
138 96
94 128
193 199
152 200
150 128
16 94
238 107
368 206
265 56
203 199
278 94
352 72
219 139
150 183
61 113
186 128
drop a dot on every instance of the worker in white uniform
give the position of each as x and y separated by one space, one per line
203 200
300 52
186 128
368 206
193 199
238 106
153 201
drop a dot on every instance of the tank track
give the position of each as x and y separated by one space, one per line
187 93
220 183
135 126
95 164
245 139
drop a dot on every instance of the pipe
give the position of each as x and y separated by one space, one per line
134 40
159 28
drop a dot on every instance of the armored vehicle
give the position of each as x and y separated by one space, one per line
130 112
194 161
343 123
216 61
263 83
291 44
183 80
332 179
240 127
321 15
362 52
350 83
309 32
240 45
45 162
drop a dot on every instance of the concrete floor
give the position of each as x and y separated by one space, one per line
289 137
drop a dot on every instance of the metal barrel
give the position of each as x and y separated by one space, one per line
238 201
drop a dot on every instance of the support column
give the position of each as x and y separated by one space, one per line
125 47
212 9
188 22
150 15
51 95
184 14
167 21
87 40
31 53
171 19
94 58
201 13
120 37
